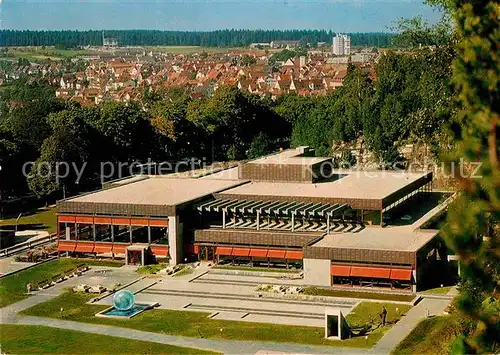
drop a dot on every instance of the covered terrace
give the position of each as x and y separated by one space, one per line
277 215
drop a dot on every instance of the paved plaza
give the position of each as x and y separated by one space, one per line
233 297
213 293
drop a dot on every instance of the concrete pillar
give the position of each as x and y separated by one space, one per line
175 242
317 272
67 231
258 220
223 219
93 232
327 224
293 222
112 234
149 234
414 286
130 233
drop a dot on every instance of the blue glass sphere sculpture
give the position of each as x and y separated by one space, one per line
123 300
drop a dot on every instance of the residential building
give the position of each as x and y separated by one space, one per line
341 44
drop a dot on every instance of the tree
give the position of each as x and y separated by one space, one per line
417 32
473 229
247 60
261 145
69 145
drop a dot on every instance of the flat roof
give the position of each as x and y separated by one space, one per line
290 157
280 159
158 191
350 185
226 174
395 238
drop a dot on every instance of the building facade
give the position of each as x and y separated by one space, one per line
291 209
341 44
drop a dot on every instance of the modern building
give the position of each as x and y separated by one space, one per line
341 44
109 42
290 209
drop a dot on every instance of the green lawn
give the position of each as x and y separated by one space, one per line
13 287
29 339
255 269
431 336
185 270
318 291
196 324
437 291
41 219
151 269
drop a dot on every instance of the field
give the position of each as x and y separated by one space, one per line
13 287
431 336
26 339
41 53
45 53
196 324
41 219
318 291
189 49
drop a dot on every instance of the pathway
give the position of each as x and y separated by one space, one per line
397 333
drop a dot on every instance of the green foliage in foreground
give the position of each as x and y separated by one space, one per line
473 222
29 339
13 287
318 291
196 324
432 336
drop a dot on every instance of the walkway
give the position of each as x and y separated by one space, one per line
397 333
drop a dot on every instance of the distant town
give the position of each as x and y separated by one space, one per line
114 73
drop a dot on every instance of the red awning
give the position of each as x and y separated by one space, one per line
120 248
373 272
223 251
294 254
275 253
84 247
160 250
66 219
66 245
258 252
101 248
401 274
241 251
341 270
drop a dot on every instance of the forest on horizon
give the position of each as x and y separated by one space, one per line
218 38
